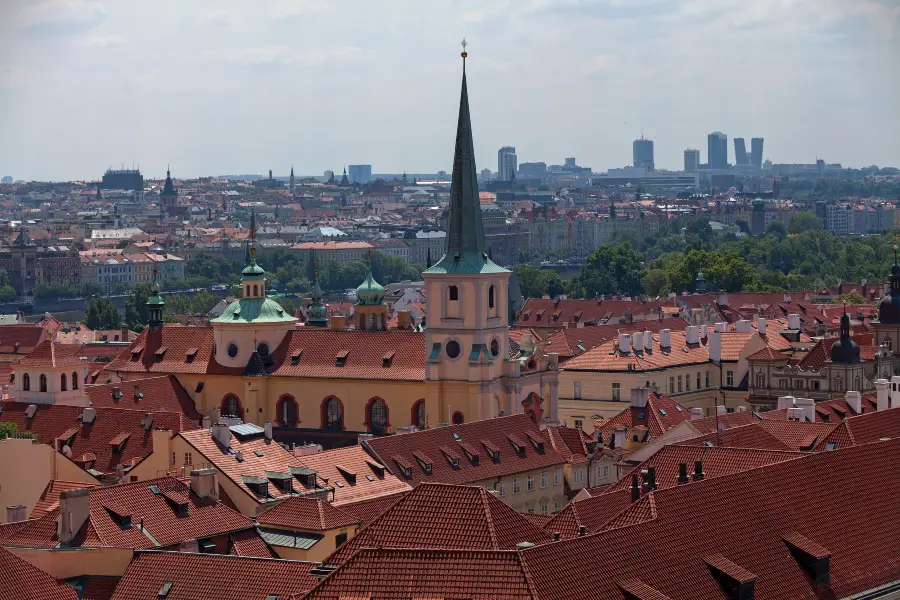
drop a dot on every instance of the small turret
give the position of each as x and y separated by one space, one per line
156 306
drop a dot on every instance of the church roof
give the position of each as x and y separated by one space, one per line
49 355
254 310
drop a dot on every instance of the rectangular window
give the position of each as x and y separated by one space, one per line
671 385
729 378
340 539
698 380
531 510
783 384
679 385
529 483
578 390
188 459
556 505
502 488
516 487
544 479
545 509
707 379
173 458
579 424
798 384
616 392
557 477
579 476
687 383
814 385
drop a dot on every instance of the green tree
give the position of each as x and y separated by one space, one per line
288 305
136 305
7 293
91 289
611 270
853 297
804 221
555 284
53 290
202 302
776 228
101 313
532 281
178 304
9 429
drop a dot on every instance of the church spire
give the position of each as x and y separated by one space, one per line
465 232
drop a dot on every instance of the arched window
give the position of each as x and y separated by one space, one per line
377 415
62 382
74 381
454 293
888 344
858 382
418 414
332 414
26 382
255 290
373 322
383 323
287 411
362 322
838 384
458 418
491 297
43 383
761 379
231 406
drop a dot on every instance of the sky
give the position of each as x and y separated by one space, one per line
232 87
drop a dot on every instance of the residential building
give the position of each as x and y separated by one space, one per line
306 529
506 163
691 160
49 374
335 251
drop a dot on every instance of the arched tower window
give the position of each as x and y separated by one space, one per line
373 321
458 418
231 406
491 294
332 414
418 414
287 411
62 382
74 381
888 344
26 382
43 383
255 290
377 415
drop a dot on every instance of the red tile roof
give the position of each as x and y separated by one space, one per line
396 574
607 356
306 514
48 355
367 511
544 312
206 576
20 580
141 357
50 497
422 448
862 429
566 342
153 393
798 435
768 354
742 436
570 442
162 525
52 420
249 543
20 339
727 420
592 513
661 414
666 547
98 588
445 516
829 411
353 475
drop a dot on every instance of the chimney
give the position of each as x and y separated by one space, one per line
698 471
526 344
204 484
883 391
722 299
794 413
619 437
361 438
722 327
74 510
268 430
895 391
651 478
648 341
404 320
808 406
337 322
697 413
582 531
16 513
692 335
665 338
206 423
635 489
853 400
761 325
788 401
741 408
88 415
557 536
793 321
222 434
743 326
682 473
714 346
639 397
721 410
624 343
147 422
637 341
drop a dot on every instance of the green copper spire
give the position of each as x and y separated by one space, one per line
169 188
316 314
465 247
156 306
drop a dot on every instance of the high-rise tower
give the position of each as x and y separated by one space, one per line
740 152
717 150
756 152
507 163
642 151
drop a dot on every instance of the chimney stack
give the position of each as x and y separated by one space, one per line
698 471
665 338
682 473
88 415
635 489
16 513
651 478
648 341
204 484
624 343
404 320
714 346
337 322
222 434
788 401
692 335
697 413
853 400
743 326
526 344
722 327
895 391
267 427
761 325
637 341
619 437
882 392
640 397
74 511
793 321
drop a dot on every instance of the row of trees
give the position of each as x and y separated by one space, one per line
802 256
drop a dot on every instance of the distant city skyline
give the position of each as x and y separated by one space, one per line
214 88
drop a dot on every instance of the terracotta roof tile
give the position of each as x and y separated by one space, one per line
307 514
661 414
249 543
50 355
50 496
751 435
445 516
494 432
607 356
578 340
20 580
204 576
98 588
367 511
371 480
798 435
861 429
20 339
152 393
592 513
768 354
52 420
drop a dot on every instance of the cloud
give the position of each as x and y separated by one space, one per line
219 18
299 8
273 55
62 15
597 64
104 41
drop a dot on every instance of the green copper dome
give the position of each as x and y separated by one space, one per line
253 271
370 292
254 310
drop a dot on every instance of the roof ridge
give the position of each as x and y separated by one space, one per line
488 516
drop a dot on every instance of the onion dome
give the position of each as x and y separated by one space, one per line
370 292
845 350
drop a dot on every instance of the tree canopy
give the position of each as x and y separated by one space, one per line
101 313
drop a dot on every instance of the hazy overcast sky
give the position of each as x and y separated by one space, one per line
232 86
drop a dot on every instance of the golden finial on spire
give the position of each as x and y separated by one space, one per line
252 250
464 43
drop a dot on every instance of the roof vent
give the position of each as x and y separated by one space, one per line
147 422
524 545
164 589
30 411
88 415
